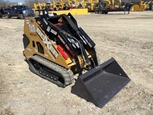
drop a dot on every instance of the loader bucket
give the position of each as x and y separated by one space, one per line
101 83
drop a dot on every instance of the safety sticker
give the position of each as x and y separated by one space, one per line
32 28
48 28
27 22
53 31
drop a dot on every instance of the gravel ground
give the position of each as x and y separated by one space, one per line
127 38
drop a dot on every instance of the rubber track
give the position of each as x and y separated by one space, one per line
66 73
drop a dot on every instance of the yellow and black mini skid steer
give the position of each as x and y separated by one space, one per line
56 49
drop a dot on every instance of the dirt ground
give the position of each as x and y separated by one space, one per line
127 38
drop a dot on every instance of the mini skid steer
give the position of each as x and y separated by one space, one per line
56 49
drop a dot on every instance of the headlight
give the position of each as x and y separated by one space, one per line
24 11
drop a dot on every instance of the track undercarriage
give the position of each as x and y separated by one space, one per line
50 71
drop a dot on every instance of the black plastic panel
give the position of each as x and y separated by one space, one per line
26 41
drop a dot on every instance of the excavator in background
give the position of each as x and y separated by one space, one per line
53 6
56 49
39 6
56 5
106 6
91 4
143 5
61 7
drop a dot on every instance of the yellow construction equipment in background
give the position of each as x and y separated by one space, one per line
74 7
143 5
38 6
91 4
113 4
105 6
